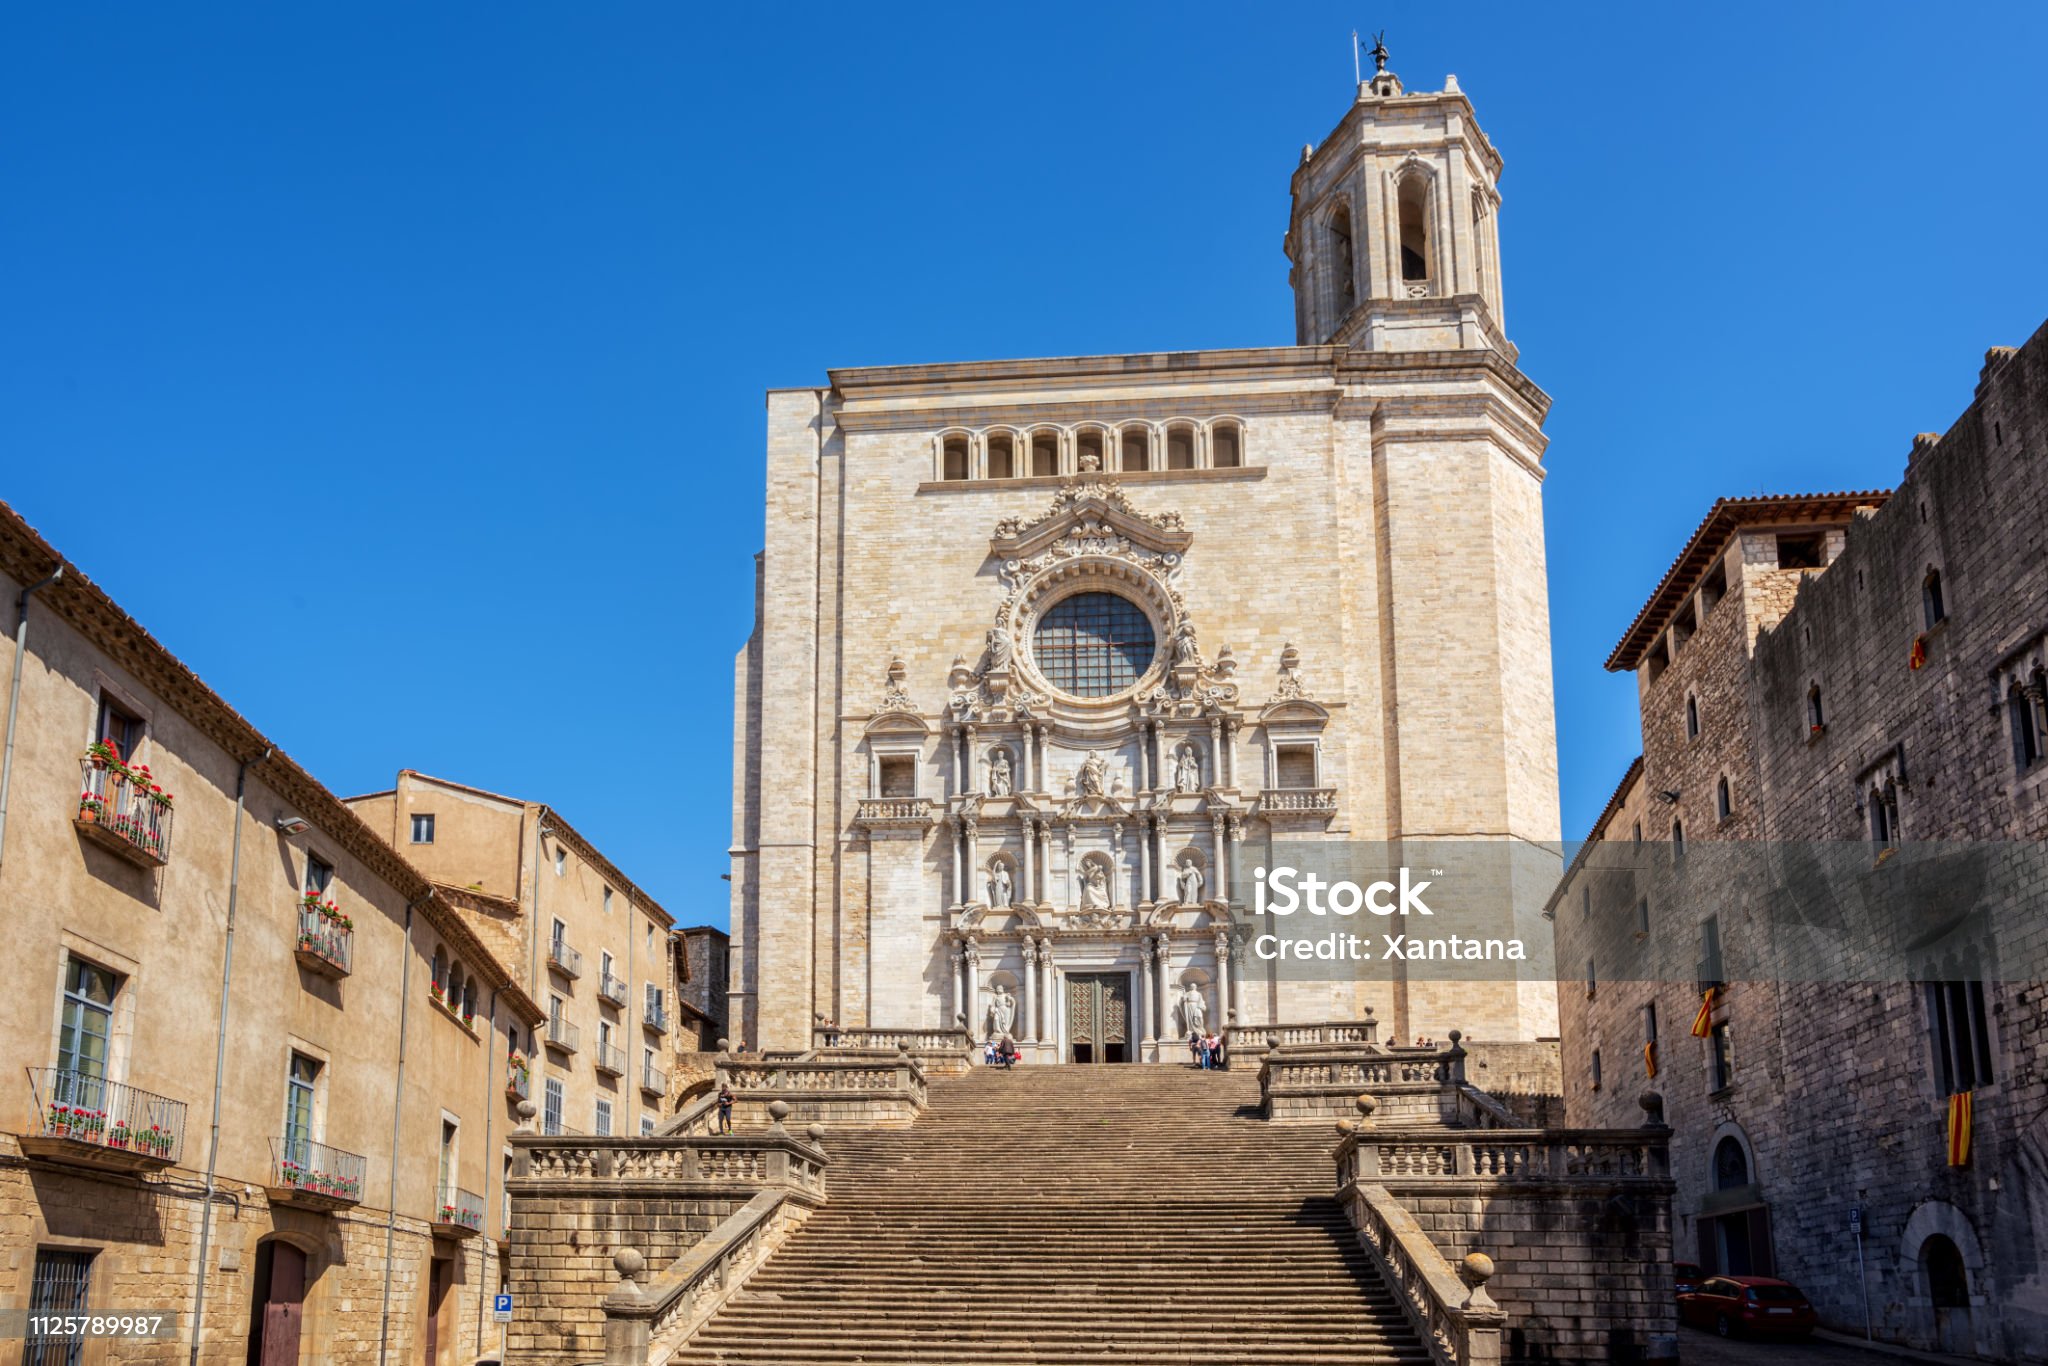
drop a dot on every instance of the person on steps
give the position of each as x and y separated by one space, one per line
724 1109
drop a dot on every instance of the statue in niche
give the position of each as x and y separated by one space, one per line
1187 769
1002 1012
1194 1011
1094 886
1185 651
999 773
999 884
1190 880
1092 780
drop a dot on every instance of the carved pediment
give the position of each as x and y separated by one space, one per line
1098 514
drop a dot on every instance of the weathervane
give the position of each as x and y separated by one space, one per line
1379 52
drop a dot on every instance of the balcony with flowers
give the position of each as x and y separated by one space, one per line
312 1175
518 1076
122 808
459 1213
92 1122
457 1003
326 936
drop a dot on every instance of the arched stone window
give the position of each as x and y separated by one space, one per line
1692 717
1816 717
1884 815
1091 450
1180 448
1412 197
440 977
1137 448
1226 445
1723 806
1678 839
2025 709
1932 608
1002 456
1045 453
956 464
1343 268
1731 1164
469 998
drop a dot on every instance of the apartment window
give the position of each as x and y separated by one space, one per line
422 829
1721 1059
551 1107
1692 718
119 727
2025 706
1932 609
646 1125
604 1118
558 935
604 1036
561 861
86 1028
300 1087
1723 807
1816 716
605 961
1650 1022
607 901
61 1287
319 875
1960 1035
448 1131
1884 816
1596 1069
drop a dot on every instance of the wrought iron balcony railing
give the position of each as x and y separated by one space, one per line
459 1212
564 959
612 988
654 1017
518 1078
123 811
653 1080
563 1035
326 940
611 1059
314 1175
102 1123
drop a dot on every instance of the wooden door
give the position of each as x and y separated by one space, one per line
1099 1017
439 1281
284 1310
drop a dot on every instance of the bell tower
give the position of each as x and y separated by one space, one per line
1393 231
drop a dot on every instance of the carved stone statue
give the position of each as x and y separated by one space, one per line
1194 1011
1190 879
1002 1012
999 773
1094 887
1093 778
999 884
1187 770
1185 651
998 648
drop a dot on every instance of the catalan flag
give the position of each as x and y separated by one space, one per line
1650 1059
1919 656
1703 1023
1959 1129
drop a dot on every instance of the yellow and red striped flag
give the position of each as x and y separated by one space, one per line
1959 1129
1650 1058
1703 1023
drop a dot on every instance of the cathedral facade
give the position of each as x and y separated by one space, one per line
1049 653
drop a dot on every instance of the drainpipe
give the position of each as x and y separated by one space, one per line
540 832
220 1056
14 691
397 1109
490 1157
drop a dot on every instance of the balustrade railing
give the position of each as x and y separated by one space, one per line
611 988
653 1080
326 939
1450 1310
1601 1156
302 1166
774 1158
611 1059
460 1210
896 811
77 1113
850 1076
643 1322
563 1035
654 1017
1253 1036
564 959
124 810
916 1040
1298 800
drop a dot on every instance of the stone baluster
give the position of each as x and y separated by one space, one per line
1030 1030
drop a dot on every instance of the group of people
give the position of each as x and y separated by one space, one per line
1421 1041
1206 1050
1001 1052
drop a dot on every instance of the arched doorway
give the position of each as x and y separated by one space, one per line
1734 1224
277 1304
1948 1291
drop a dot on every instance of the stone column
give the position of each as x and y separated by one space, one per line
1030 863
1146 890
960 782
1221 891
1153 742
973 783
1166 982
954 824
1144 1001
959 961
1030 1030
1024 769
1222 979
1116 863
1144 766
1073 888
1038 738
1216 751
973 829
1159 855
1227 765
1049 1001
971 981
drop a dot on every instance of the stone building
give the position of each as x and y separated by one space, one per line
589 944
703 962
262 1073
1048 652
1842 712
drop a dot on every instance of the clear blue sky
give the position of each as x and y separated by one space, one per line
401 366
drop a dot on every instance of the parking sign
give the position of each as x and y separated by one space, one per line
501 1308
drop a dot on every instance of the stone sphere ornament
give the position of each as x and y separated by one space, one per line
628 1262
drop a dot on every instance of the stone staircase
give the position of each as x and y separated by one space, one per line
1059 1215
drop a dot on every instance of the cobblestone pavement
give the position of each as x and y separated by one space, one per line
1696 1347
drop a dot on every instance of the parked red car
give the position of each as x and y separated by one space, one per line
1747 1304
1686 1277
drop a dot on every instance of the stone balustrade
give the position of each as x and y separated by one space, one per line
1601 1156
648 1323
1450 1310
850 1087
1322 1082
569 1166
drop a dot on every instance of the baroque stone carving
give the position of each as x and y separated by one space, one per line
1092 779
1189 882
1292 687
1002 1012
1187 769
1194 1011
1094 886
895 693
999 772
999 884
